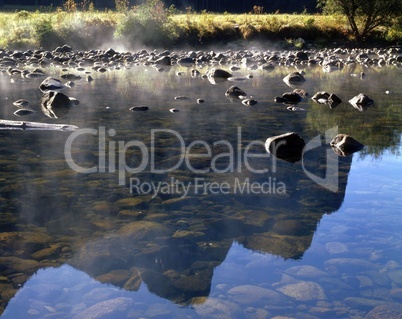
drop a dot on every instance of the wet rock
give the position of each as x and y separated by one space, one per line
304 290
165 60
289 98
218 75
235 92
47 253
141 108
249 102
386 311
104 208
345 145
23 112
250 294
109 308
71 76
131 202
181 97
56 104
134 282
294 78
361 102
288 146
22 103
16 264
320 97
217 309
51 84
186 61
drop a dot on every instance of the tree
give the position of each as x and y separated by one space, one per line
364 15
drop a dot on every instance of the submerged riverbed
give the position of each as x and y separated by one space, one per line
176 210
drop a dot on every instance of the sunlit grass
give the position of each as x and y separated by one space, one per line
83 29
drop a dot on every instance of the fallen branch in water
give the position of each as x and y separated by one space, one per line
22 125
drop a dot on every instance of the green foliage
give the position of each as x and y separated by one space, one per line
122 5
45 34
148 24
364 16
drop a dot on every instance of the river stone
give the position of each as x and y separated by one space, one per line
104 208
117 277
304 290
288 146
306 271
134 282
336 248
396 276
218 309
350 263
16 264
357 302
130 202
345 145
386 311
250 294
144 230
106 309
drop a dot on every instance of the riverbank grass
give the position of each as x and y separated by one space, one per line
92 29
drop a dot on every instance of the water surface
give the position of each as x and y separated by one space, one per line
157 214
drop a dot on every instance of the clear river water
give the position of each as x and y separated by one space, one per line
183 214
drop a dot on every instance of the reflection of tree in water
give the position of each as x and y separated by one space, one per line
377 127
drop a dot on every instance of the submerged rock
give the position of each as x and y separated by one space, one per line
345 145
288 146
304 290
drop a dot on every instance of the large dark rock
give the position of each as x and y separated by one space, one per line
345 145
288 146
218 75
56 104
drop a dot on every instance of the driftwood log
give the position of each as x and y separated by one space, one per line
23 125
